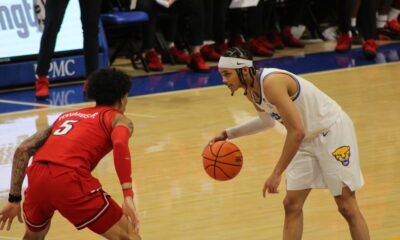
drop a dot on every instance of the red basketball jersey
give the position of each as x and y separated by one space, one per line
79 139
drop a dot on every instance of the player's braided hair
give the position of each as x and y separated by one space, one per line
238 52
107 86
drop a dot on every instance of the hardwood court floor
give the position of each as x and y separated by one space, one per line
178 201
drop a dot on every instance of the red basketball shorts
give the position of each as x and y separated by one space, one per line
77 196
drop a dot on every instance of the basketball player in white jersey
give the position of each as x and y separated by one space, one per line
320 149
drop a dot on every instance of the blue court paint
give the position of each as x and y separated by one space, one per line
10 107
324 61
300 64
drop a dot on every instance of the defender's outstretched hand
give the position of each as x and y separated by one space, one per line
129 209
8 213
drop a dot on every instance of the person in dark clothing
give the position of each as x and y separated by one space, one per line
193 12
55 10
367 18
215 12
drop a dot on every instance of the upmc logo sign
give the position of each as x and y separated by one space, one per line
65 67
20 33
62 68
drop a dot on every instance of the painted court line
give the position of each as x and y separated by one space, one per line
25 103
4 237
139 115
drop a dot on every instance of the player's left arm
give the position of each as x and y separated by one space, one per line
20 161
277 89
122 131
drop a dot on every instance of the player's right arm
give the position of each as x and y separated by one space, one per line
253 126
122 131
20 161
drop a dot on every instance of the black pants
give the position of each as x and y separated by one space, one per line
366 16
215 19
55 10
149 29
193 11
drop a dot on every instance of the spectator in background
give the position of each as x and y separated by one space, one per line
151 56
367 17
387 23
293 19
54 11
249 35
193 11
215 12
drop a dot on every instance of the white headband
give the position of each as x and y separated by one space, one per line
232 62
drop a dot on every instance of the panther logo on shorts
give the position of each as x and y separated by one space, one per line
342 154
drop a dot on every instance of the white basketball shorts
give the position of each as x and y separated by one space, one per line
329 160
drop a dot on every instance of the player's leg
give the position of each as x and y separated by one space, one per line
37 208
302 175
92 208
31 235
121 230
348 207
293 204
339 160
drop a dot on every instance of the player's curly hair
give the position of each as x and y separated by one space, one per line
107 86
238 52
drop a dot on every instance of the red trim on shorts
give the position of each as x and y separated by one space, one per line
36 226
98 215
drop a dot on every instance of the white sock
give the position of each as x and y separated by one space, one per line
393 13
381 20
353 22
170 44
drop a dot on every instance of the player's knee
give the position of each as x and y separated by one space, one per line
347 211
291 206
32 236
128 236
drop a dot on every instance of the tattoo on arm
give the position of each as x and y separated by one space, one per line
130 126
21 158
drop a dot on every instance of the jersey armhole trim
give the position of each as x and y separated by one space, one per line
293 77
103 123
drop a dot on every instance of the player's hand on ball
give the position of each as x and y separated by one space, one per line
129 209
271 184
220 137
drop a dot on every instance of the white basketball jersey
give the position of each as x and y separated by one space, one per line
317 111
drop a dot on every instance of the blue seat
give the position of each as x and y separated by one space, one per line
120 26
124 17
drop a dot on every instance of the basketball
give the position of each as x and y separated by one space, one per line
222 160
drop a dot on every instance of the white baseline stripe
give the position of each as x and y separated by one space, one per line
25 103
4 237
139 115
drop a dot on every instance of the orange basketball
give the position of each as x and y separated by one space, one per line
222 160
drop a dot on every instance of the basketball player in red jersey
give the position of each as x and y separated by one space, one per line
64 155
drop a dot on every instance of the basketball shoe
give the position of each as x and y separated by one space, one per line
179 56
276 40
290 41
369 49
153 61
258 49
343 43
42 88
221 48
209 53
197 63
